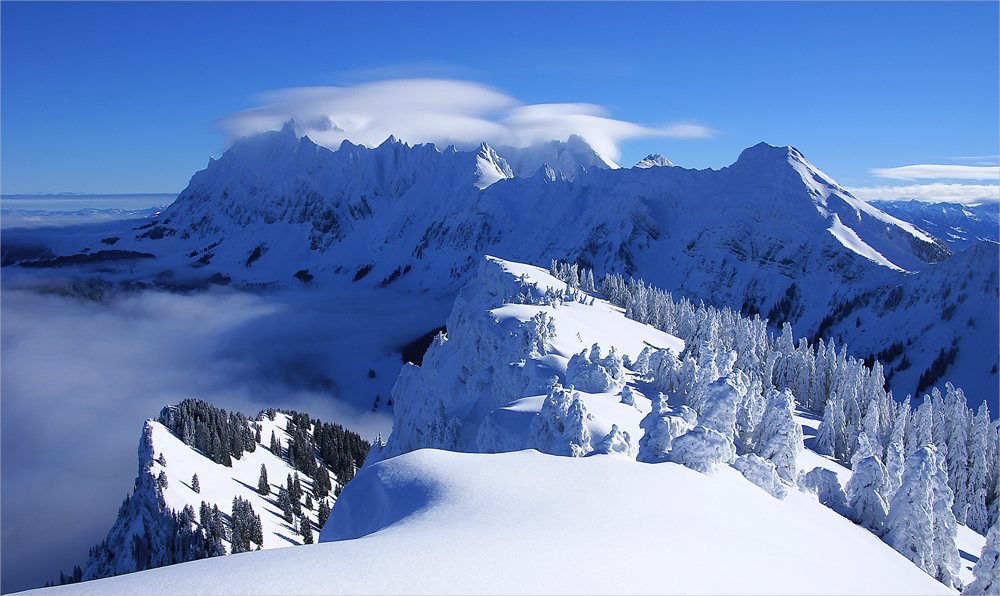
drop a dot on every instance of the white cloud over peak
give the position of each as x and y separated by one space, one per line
932 171
965 194
440 111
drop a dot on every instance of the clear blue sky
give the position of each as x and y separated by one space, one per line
117 97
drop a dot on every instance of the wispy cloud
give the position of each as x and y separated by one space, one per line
966 194
934 172
440 111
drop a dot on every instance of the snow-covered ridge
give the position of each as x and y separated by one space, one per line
182 508
536 359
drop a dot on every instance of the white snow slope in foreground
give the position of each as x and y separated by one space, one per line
425 520
438 522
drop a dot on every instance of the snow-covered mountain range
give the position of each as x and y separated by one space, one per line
960 226
551 442
770 234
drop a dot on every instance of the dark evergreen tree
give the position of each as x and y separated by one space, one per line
275 445
285 504
309 502
161 460
263 487
321 483
305 529
161 480
195 485
323 513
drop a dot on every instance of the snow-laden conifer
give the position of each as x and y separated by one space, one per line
617 442
660 428
761 472
909 526
826 486
702 449
866 492
987 568
560 428
779 435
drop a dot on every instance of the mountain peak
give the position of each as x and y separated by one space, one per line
391 140
653 160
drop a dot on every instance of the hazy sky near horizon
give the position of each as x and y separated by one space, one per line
135 97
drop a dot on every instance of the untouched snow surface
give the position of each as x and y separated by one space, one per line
434 521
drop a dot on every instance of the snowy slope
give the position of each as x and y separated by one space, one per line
419 519
437 522
162 452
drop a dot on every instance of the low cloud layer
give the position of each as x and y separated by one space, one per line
439 111
79 378
965 194
935 172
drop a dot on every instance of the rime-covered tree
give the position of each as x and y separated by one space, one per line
987 568
909 526
946 557
826 486
702 449
780 436
866 491
560 428
979 471
660 428
831 434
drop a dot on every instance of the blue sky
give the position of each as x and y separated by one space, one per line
132 97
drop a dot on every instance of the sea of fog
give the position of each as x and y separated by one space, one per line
29 211
80 377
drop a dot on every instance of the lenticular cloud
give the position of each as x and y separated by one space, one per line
438 111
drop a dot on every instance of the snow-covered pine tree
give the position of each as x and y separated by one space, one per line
780 436
987 568
958 423
895 459
866 491
946 557
831 436
979 469
909 526
660 427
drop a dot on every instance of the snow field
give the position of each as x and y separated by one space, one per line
526 522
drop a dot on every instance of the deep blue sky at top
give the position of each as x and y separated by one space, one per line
120 97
